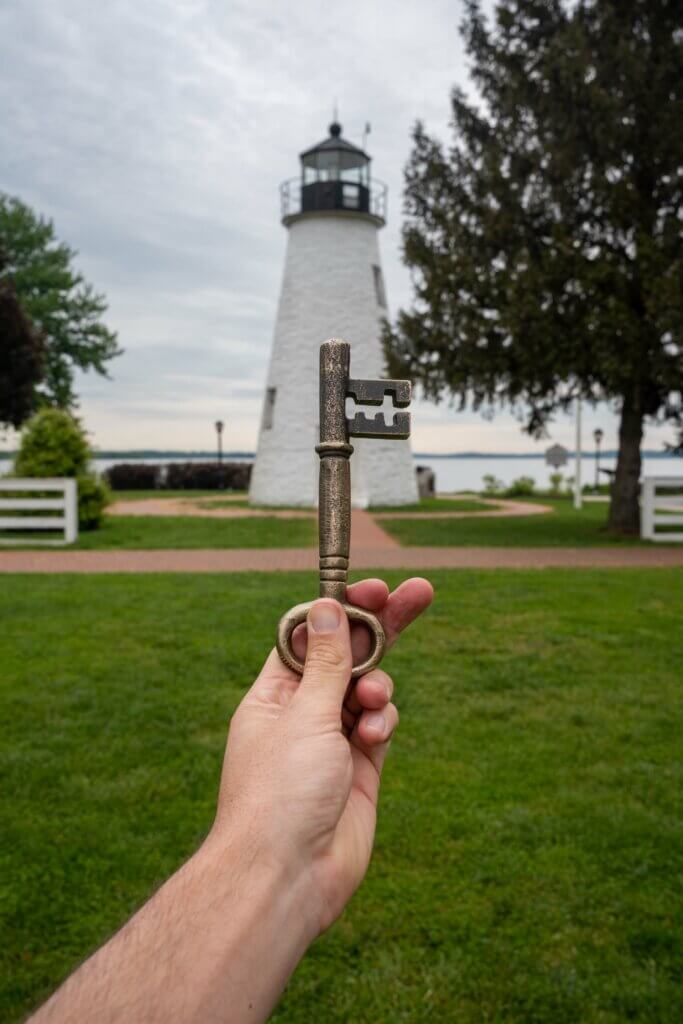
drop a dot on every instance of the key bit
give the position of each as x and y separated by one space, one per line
362 426
372 392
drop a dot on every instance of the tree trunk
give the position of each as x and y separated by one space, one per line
624 513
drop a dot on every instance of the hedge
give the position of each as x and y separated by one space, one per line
228 476
133 476
179 476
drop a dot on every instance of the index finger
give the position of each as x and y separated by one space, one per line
404 605
401 608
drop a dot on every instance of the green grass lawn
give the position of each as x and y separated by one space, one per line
529 857
565 526
164 532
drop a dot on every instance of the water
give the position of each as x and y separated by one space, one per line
455 473
466 474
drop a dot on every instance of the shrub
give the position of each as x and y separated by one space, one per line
53 443
556 483
133 476
93 497
521 487
231 476
492 485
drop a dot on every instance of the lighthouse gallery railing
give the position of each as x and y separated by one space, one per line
291 198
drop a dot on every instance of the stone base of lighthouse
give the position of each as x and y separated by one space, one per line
332 288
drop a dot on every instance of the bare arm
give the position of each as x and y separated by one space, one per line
290 844
196 950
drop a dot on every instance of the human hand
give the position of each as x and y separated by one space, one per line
304 756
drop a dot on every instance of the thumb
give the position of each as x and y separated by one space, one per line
328 657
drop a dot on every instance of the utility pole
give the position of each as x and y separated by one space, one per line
577 472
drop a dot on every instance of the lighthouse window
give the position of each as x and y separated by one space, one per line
379 286
268 408
351 197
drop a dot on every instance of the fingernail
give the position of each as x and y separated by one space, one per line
324 617
376 722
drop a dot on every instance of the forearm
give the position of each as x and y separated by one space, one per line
217 943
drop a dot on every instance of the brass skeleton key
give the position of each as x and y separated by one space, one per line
334 498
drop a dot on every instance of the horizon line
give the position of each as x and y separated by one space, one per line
203 453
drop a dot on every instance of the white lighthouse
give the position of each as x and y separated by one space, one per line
332 288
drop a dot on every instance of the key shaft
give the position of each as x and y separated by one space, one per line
334 493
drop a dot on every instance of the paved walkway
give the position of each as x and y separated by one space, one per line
368 535
201 509
269 560
219 508
500 509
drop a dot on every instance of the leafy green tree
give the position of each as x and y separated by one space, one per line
62 305
545 244
53 443
21 357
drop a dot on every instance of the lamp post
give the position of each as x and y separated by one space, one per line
597 437
219 434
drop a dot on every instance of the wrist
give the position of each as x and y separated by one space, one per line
268 885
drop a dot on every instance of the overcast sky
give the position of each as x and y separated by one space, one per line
155 134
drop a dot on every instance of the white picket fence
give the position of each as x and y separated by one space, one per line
66 503
660 510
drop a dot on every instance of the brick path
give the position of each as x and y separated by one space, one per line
269 560
278 559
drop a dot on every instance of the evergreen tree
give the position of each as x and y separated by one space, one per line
545 244
21 357
62 306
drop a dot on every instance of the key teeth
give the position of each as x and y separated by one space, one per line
362 426
372 392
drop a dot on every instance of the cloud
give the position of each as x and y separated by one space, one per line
156 134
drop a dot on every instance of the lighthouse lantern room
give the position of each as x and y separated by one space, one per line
335 175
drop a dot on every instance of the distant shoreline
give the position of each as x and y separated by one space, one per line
138 454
